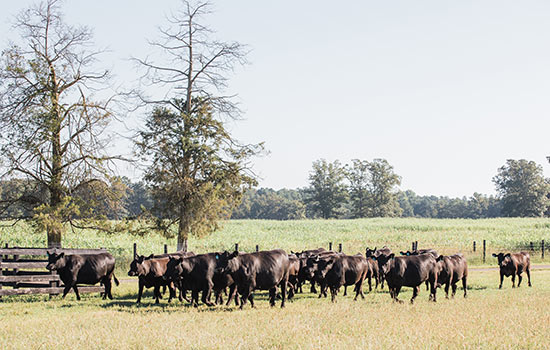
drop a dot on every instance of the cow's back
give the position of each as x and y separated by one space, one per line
269 268
411 271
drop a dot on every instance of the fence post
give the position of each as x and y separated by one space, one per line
474 246
329 245
135 249
484 250
165 248
339 247
15 271
542 249
412 246
236 247
415 245
531 246
257 248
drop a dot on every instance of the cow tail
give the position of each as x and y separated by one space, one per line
116 281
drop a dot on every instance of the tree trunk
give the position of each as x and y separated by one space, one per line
54 237
183 234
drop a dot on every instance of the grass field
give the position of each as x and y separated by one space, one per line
446 235
488 319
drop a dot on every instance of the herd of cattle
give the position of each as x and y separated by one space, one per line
243 273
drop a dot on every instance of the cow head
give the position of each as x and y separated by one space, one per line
503 259
137 268
56 261
174 268
408 253
310 267
226 262
384 262
370 252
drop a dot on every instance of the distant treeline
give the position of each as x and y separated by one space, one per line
285 204
358 190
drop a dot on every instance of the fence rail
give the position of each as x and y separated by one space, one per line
15 273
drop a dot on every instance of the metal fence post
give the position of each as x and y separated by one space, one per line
340 247
542 249
257 248
531 246
329 245
474 246
236 247
484 250
165 249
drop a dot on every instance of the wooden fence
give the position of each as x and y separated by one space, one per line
24 270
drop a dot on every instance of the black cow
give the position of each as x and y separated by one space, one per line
195 273
432 252
409 271
293 275
83 269
373 253
150 271
309 271
264 270
221 282
302 276
343 270
452 269
512 264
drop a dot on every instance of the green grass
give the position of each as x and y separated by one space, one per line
446 235
488 319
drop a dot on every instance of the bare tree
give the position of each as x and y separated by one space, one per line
52 127
197 171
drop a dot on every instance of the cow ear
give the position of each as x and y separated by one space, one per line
402 253
374 249
61 255
392 255
151 256
234 254
507 255
494 255
439 258
180 259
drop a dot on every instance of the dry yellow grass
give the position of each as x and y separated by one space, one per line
489 318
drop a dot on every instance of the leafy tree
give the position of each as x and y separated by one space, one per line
522 189
383 195
359 178
269 204
52 126
327 192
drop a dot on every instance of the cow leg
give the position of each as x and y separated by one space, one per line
454 290
382 283
156 292
66 290
501 279
514 280
396 291
519 279
333 293
433 289
464 285
370 285
345 290
313 290
107 293
528 272
359 290
76 292
195 297
427 286
206 294
140 291
447 290
233 294
272 292
415 293
283 291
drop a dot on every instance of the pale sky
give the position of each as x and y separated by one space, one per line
446 91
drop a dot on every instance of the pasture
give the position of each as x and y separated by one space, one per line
445 235
489 318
